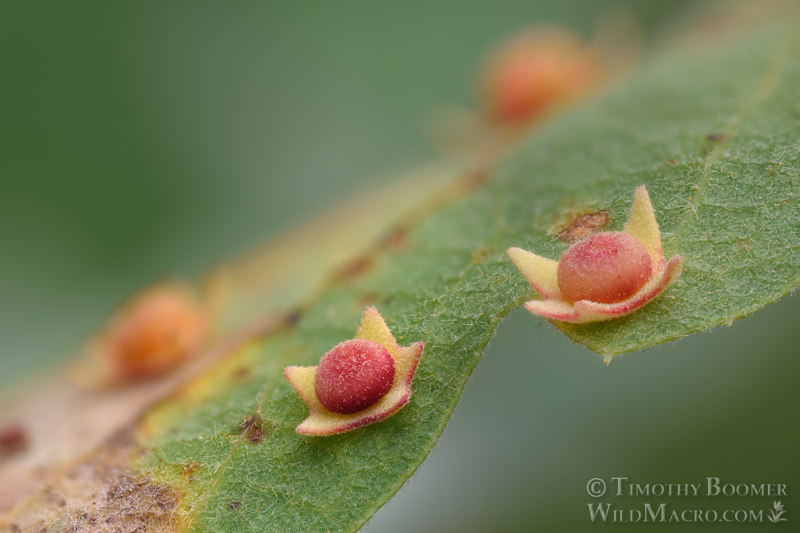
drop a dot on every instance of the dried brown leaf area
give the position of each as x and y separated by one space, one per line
64 424
64 481
99 496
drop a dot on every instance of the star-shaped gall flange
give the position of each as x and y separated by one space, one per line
358 382
605 276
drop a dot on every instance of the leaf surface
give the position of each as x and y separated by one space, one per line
730 206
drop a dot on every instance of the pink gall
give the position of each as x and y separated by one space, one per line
606 275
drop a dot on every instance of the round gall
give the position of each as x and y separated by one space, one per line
606 267
154 333
354 375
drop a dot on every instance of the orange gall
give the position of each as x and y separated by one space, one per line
156 331
533 71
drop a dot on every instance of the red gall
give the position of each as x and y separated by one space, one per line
358 382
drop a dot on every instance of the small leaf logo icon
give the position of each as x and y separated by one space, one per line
776 513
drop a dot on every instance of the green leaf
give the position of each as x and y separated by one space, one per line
729 206
713 135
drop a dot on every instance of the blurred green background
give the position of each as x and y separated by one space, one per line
152 138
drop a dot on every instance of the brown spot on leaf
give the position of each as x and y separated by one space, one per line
255 434
715 137
241 373
13 438
368 298
253 428
671 162
479 256
476 177
233 506
582 226
396 239
355 268
189 470
293 318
